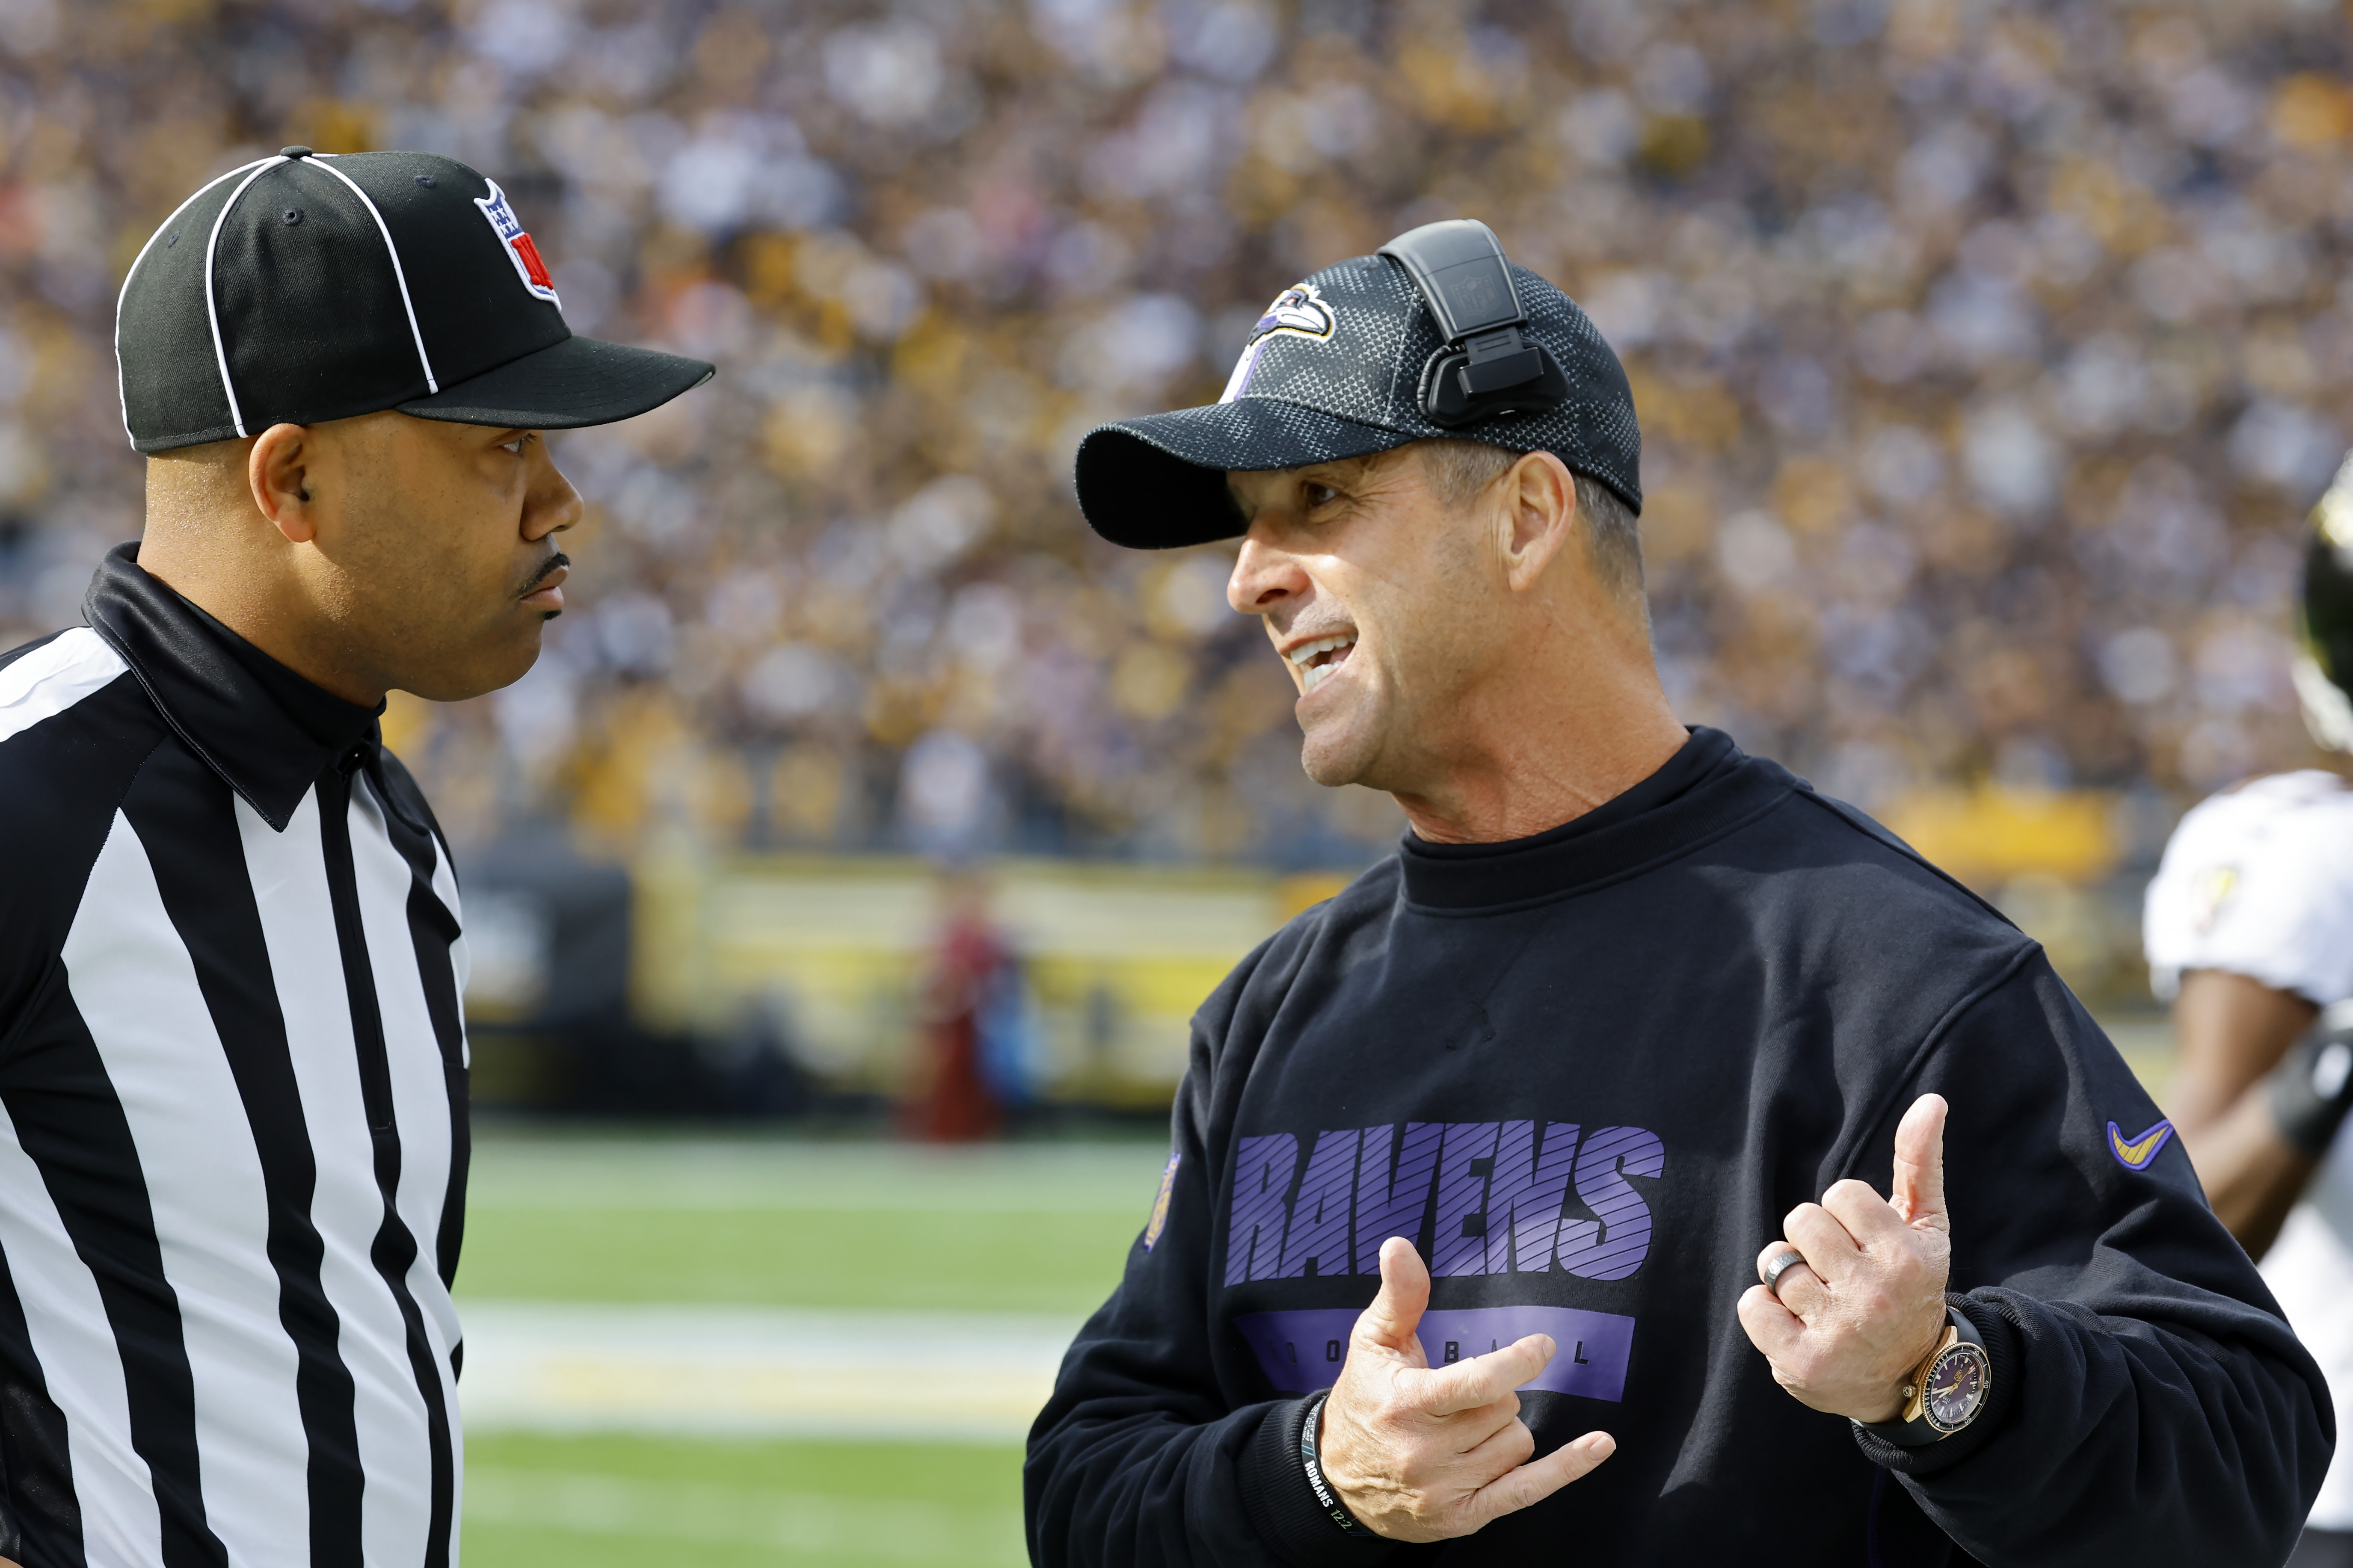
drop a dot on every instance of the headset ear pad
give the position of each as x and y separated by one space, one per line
1451 405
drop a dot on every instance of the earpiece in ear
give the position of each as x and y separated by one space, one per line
304 492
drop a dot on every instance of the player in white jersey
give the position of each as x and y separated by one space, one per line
2249 932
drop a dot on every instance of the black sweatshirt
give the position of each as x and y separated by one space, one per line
1588 1073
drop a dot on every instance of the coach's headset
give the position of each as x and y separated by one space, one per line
1486 368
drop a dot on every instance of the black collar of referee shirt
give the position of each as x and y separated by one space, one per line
265 730
1708 784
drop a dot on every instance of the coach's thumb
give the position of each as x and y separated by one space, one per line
1919 1184
1397 1310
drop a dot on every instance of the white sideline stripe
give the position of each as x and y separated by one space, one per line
65 1318
212 307
398 276
53 677
123 393
297 926
896 1529
136 988
564 1367
740 1174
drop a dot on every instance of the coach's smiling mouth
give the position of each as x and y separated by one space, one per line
1318 658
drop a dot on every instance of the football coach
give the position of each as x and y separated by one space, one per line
232 1067
1653 1162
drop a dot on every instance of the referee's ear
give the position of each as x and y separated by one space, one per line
278 471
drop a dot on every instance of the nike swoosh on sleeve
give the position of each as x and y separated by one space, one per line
2134 1153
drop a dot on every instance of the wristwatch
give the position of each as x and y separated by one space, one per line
1944 1393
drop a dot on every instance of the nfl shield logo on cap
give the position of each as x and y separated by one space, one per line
520 250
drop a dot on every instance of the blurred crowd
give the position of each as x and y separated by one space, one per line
1986 355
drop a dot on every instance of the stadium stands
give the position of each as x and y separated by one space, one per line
1987 357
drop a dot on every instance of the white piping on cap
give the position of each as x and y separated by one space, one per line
212 310
122 393
398 276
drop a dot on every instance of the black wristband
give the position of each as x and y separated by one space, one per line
2312 1089
1326 1498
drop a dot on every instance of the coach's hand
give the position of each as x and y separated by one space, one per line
1868 1304
1423 1453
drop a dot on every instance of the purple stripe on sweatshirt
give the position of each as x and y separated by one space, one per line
1305 1349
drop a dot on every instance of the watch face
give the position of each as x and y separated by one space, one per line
1956 1387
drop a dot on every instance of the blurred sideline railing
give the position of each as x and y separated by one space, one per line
1117 956
714 957
825 956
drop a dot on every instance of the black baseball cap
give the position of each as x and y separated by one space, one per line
1334 369
304 287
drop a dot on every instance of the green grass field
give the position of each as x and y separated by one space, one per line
772 1224
1013 1261
607 1501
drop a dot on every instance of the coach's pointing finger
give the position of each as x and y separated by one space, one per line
1389 1324
1918 1194
1484 1380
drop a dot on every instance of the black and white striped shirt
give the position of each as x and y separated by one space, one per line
232 1111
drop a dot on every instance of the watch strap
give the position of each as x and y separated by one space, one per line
1996 1315
1911 1428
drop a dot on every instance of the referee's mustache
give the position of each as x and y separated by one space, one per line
547 569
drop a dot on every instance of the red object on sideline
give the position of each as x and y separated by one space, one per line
949 1100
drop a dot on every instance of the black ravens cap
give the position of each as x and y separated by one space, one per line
1335 368
304 287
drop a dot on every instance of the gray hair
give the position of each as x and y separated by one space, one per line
1460 469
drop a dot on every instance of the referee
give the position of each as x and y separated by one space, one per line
232 1067
1653 1162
